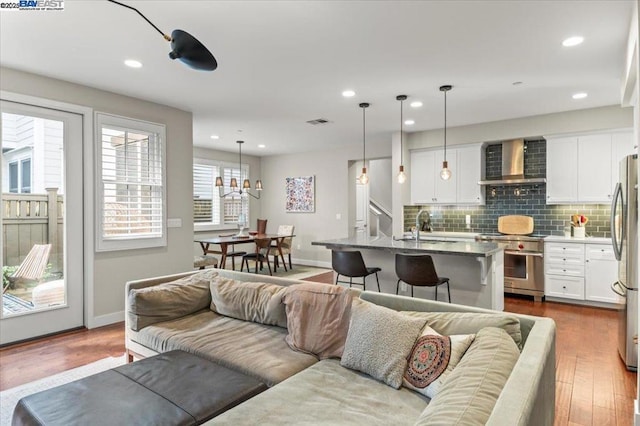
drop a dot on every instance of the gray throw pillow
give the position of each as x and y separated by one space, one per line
379 341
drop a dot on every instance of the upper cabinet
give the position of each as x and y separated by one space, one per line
465 164
584 168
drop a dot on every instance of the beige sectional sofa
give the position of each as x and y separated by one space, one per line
307 390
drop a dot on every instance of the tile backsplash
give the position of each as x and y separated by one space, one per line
529 200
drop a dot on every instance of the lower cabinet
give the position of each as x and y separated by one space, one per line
580 271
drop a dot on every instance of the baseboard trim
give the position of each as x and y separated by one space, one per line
307 262
107 319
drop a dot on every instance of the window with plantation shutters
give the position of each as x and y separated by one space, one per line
131 189
209 210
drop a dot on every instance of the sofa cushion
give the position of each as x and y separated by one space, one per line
476 383
168 301
448 323
379 341
253 349
432 359
249 301
328 394
318 318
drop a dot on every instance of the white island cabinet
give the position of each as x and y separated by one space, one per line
580 270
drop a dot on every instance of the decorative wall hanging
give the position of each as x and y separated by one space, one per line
300 194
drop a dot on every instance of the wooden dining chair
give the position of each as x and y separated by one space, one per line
261 255
286 245
231 254
262 226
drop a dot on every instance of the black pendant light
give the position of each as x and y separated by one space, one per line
401 176
185 47
445 173
233 184
364 178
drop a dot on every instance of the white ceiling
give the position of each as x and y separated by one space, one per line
282 63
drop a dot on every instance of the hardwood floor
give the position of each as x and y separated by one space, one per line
593 388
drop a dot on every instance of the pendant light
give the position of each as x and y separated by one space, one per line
233 184
445 173
184 46
364 178
401 176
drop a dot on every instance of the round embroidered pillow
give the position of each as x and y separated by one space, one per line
428 360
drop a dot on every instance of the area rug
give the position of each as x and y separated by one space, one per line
10 397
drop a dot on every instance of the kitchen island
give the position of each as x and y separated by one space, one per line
475 269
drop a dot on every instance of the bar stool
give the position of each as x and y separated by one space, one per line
351 264
419 270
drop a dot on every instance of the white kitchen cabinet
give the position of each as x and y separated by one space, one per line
601 270
564 287
594 169
465 164
469 167
562 170
622 144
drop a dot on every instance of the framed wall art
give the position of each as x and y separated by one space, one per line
300 194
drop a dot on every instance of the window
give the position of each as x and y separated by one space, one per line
13 177
209 210
25 184
131 190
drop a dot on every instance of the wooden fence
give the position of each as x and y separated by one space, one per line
29 219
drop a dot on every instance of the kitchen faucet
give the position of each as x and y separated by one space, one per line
418 223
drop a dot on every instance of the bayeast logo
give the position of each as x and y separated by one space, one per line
33 5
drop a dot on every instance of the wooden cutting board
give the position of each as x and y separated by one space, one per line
515 225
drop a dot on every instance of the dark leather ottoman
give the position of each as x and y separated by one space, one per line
174 388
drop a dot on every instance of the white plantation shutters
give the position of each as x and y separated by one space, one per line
131 189
208 207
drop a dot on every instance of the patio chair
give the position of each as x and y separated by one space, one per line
32 267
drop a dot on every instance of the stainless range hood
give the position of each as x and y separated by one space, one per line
512 166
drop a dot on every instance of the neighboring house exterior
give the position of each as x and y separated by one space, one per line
32 156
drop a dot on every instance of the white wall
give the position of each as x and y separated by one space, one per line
333 187
110 271
380 181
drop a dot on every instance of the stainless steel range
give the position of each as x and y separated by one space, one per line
523 263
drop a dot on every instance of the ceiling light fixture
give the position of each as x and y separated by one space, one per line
215 137
580 95
572 41
233 184
416 104
364 178
445 173
348 93
402 177
132 63
262 146
409 122
184 46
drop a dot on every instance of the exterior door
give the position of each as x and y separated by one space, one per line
41 252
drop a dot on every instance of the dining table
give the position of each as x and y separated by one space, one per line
230 240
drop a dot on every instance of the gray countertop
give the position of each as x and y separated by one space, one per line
457 248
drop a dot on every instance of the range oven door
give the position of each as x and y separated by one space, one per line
523 270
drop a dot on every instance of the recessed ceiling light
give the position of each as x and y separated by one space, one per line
348 93
262 146
215 137
580 95
133 63
416 104
572 41
409 122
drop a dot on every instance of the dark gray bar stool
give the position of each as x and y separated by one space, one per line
419 270
351 264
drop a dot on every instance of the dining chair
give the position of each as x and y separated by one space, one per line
351 264
286 245
419 271
232 254
263 247
262 226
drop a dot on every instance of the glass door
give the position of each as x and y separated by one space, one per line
41 218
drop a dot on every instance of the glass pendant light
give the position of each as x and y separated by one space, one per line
364 177
402 177
445 173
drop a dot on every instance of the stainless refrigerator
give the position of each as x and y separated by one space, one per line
624 236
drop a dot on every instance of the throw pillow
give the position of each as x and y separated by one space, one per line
432 359
449 323
249 301
476 383
317 318
170 300
379 341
